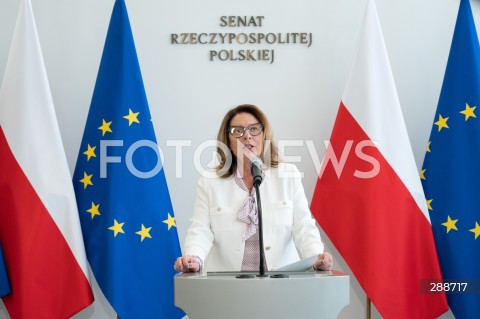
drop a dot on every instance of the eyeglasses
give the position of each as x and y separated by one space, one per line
238 131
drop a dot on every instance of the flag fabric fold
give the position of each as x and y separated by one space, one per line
124 204
4 282
451 174
39 224
368 198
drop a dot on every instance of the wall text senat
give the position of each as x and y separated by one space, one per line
239 39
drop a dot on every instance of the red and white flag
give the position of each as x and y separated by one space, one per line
39 224
369 199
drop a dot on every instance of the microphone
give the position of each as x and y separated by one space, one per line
256 168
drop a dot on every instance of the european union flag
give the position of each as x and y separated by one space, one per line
451 170
125 209
4 283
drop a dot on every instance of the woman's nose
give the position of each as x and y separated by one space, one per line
247 134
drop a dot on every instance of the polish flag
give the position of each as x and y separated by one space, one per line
39 224
369 199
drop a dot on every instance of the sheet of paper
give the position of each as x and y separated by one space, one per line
300 265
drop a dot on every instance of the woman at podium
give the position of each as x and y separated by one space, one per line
223 232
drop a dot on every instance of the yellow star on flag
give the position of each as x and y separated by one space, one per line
145 232
429 204
117 228
441 123
105 127
468 112
94 210
90 152
131 117
428 146
422 174
476 230
450 224
86 180
170 222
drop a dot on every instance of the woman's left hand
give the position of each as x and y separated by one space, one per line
323 262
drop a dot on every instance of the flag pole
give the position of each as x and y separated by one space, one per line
369 309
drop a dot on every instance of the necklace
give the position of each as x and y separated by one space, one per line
249 188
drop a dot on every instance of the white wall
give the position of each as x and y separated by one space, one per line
188 95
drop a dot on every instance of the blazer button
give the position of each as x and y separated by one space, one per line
267 248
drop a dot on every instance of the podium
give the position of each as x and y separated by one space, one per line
302 295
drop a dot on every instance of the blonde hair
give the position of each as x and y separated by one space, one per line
270 151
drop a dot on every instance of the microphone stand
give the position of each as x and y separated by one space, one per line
256 184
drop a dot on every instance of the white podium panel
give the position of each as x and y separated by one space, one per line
303 295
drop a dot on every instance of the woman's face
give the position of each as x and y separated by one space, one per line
247 141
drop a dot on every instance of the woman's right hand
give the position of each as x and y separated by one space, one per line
187 264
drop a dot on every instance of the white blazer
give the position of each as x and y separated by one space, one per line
289 232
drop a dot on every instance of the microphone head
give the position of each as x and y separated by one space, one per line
256 167
257 161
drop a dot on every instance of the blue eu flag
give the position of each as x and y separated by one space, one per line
4 283
125 209
451 170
